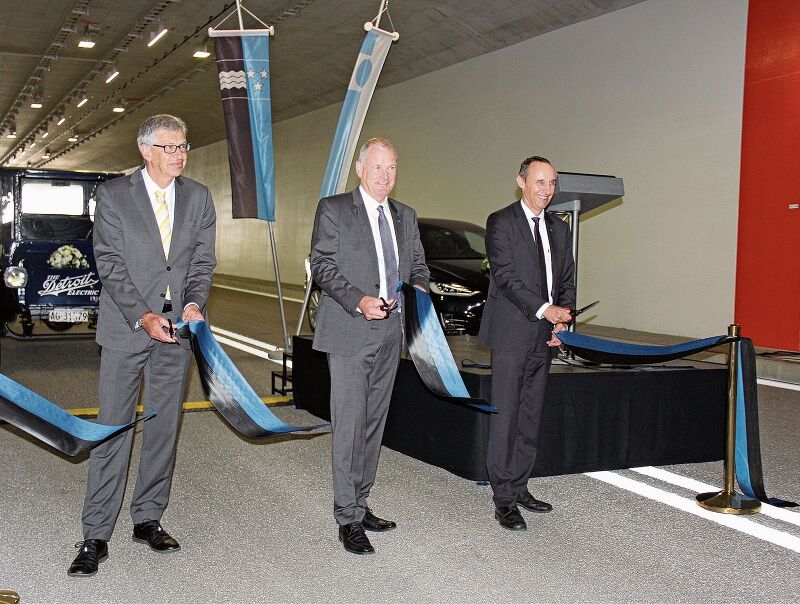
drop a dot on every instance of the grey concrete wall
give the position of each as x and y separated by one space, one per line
651 93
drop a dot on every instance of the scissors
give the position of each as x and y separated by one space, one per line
585 308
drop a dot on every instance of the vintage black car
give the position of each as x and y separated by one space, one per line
456 255
46 249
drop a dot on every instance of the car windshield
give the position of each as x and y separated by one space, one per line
56 209
462 241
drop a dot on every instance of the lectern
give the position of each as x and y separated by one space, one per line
576 193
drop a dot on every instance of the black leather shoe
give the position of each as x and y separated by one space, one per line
530 503
372 523
510 518
354 539
86 563
150 533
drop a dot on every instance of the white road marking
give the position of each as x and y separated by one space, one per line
691 484
255 293
253 346
738 523
245 347
241 338
778 384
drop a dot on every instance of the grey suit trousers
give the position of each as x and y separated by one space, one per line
165 368
361 389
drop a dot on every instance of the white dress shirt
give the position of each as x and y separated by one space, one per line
169 191
548 262
371 205
169 195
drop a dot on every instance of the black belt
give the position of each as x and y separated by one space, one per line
167 307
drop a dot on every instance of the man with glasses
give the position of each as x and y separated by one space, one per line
154 246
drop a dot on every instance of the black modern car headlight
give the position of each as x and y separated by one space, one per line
15 276
451 289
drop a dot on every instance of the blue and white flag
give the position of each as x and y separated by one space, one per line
243 64
356 102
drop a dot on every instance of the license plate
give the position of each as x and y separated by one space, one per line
68 315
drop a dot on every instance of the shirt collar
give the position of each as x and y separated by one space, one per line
528 213
370 202
152 186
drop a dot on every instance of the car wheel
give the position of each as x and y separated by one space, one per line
57 325
313 308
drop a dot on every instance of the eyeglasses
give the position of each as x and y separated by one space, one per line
170 149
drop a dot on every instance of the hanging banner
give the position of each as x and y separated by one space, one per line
243 64
356 102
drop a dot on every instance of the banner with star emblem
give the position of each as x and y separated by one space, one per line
243 64
356 102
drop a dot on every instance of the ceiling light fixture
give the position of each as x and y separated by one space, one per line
201 52
159 32
73 138
61 120
83 102
87 38
45 134
46 154
119 106
33 144
36 103
113 72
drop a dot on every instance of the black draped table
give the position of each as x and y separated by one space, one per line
592 420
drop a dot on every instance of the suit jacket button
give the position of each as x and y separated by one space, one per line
169 268
377 286
162 295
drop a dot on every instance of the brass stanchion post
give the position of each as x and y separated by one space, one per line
8 597
728 501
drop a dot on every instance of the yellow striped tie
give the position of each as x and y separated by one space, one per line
162 218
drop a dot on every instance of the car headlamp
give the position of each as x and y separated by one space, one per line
451 289
15 276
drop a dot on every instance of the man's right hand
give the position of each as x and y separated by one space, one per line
374 308
557 314
157 327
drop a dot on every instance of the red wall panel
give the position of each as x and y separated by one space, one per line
768 251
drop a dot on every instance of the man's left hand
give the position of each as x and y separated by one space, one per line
554 341
192 313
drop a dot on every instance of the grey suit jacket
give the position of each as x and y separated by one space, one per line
130 257
344 264
517 288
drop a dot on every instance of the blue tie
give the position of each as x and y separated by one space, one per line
389 259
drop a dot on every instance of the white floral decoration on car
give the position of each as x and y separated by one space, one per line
68 256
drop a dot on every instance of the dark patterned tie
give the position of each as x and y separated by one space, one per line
389 259
540 252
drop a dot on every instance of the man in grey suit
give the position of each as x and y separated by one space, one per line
531 290
153 237
363 244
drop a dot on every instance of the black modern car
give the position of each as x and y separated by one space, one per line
456 255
